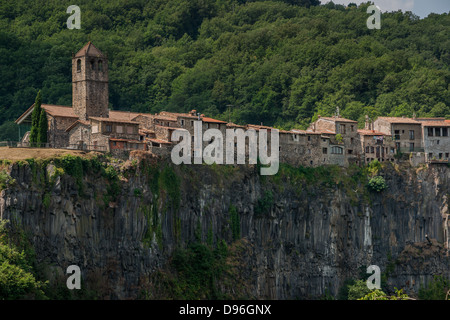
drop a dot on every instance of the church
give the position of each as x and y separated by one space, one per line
89 124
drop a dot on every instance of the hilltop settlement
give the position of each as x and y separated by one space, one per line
89 125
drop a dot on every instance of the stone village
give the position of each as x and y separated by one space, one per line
89 125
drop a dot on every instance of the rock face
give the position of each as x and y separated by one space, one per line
299 240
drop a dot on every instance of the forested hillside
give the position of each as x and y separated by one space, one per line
276 62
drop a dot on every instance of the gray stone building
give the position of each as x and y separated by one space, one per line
436 140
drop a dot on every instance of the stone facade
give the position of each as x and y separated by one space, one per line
436 141
90 83
406 132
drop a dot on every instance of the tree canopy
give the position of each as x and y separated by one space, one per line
277 62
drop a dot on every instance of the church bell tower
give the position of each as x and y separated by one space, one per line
90 96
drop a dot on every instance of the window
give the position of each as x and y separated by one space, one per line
94 129
119 129
295 137
397 134
182 122
437 132
192 122
92 64
324 150
372 149
351 140
337 150
411 147
440 155
392 150
130 130
114 143
411 134
100 65
352 127
309 138
446 155
108 128
342 128
367 149
437 141
445 132
79 65
350 151
430 132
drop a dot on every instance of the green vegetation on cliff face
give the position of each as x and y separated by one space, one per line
277 62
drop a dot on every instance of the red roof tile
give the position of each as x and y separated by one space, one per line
399 120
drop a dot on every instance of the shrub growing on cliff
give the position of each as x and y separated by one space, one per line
377 184
437 289
16 277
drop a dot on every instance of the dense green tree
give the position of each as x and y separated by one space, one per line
42 129
17 280
277 62
35 117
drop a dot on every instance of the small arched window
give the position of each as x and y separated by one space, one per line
78 65
92 64
100 65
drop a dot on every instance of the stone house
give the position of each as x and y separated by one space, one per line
436 140
343 139
405 132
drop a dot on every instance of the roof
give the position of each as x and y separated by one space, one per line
89 50
165 118
51 109
370 132
430 119
337 119
115 120
159 141
445 123
211 120
176 114
169 128
234 125
399 120
125 140
73 125
298 131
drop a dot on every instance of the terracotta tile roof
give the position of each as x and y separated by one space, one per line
234 125
84 122
339 119
370 132
89 50
146 130
115 120
122 115
298 131
399 120
165 118
51 109
445 123
159 141
211 120
321 131
176 114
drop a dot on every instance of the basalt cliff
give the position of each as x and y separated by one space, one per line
297 235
